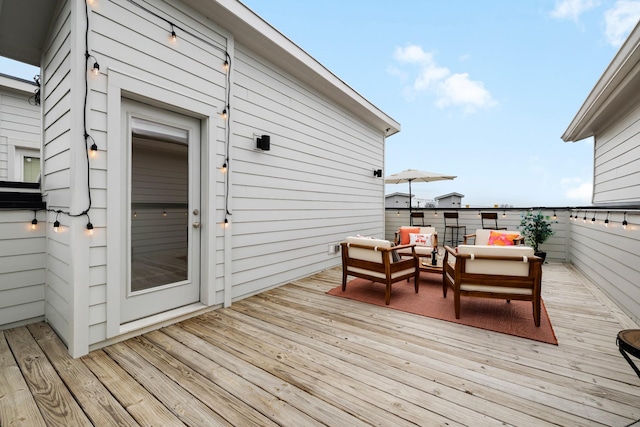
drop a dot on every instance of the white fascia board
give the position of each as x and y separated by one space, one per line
623 72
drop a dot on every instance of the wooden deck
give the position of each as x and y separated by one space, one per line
295 356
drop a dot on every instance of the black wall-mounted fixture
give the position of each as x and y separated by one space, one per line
377 172
264 142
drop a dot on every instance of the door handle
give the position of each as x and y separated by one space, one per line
196 224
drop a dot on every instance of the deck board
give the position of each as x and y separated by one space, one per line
296 356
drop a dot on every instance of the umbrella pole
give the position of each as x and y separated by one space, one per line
409 197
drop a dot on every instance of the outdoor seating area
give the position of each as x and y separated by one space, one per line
296 356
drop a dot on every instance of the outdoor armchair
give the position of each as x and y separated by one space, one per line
509 273
373 259
425 240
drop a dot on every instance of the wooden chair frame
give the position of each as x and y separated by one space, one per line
385 266
456 274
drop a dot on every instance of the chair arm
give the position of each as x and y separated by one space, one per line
451 250
518 240
469 236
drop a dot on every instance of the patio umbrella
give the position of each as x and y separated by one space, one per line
415 175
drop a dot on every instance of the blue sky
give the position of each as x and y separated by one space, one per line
482 89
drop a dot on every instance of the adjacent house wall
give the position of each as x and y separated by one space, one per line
19 126
22 268
617 161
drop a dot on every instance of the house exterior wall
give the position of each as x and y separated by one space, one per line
396 201
58 90
19 125
22 269
617 161
285 206
314 186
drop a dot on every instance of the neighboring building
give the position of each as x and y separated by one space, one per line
611 115
397 200
20 130
451 200
180 211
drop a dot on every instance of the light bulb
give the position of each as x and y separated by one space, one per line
56 226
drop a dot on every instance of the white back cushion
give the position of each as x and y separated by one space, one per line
497 267
366 254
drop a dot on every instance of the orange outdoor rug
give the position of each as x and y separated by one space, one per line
515 318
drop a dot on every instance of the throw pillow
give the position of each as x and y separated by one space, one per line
404 234
497 238
420 239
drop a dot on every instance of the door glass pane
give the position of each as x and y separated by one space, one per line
159 206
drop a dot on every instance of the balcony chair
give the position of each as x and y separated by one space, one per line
509 273
425 240
417 219
451 224
372 259
490 221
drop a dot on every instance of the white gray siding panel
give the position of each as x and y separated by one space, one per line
610 257
19 128
312 188
617 161
57 125
22 269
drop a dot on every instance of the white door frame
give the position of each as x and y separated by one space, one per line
124 85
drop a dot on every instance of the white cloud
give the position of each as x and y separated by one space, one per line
458 89
572 9
450 89
620 20
578 190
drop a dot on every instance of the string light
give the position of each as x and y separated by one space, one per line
164 213
435 213
226 65
90 228
504 214
34 221
95 69
593 220
224 167
94 149
624 221
224 113
174 37
554 215
606 220
56 223
226 223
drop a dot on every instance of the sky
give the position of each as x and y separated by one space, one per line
482 89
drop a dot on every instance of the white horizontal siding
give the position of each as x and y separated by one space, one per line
135 43
617 161
22 268
56 164
610 258
313 187
19 128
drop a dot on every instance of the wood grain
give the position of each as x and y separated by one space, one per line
295 356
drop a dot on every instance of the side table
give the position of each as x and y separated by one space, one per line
629 342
